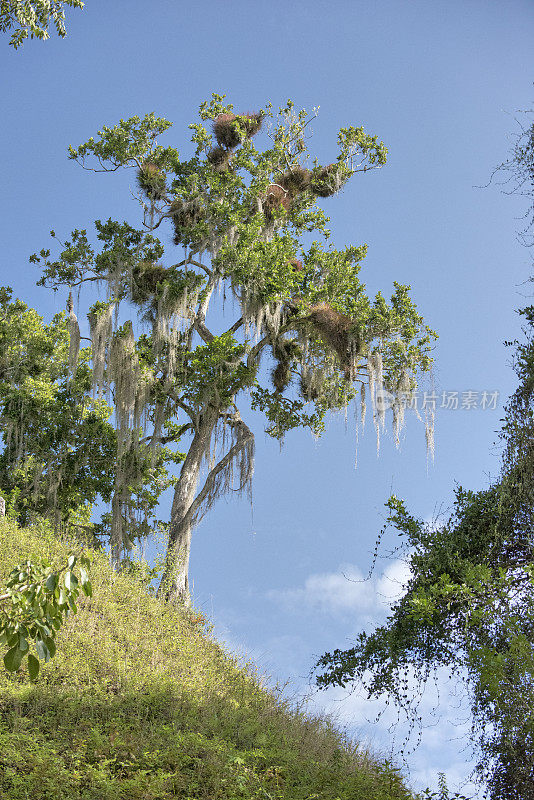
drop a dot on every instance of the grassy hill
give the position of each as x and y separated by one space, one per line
140 703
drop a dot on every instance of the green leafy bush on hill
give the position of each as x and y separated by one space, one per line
141 703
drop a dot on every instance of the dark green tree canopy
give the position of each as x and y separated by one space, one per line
58 444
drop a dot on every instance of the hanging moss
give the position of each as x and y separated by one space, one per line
311 382
429 431
124 371
401 395
375 379
74 335
258 314
235 439
363 405
101 328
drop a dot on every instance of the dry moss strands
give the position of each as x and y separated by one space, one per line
74 335
101 328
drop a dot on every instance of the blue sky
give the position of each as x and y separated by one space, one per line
441 84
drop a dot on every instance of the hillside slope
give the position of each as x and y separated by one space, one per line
141 704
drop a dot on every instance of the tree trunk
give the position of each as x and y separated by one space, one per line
174 584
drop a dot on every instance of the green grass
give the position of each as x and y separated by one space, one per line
140 703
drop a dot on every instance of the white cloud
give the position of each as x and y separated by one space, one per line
347 591
392 584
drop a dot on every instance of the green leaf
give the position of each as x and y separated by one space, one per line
13 659
51 646
70 580
33 666
87 589
83 575
23 644
71 562
42 650
51 582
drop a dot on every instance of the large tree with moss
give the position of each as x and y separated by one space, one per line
243 287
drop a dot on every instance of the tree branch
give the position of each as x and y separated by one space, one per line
203 331
244 437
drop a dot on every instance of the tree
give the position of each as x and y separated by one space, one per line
61 453
59 447
469 603
240 215
33 18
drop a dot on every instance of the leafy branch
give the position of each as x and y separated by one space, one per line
36 602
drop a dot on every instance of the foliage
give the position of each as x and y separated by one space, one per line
141 702
442 793
240 214
61 453
33 18
469 606
34 606
58 444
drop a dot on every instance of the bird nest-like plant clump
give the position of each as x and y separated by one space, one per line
339 332
326 181
146 276
296 181
275 198
228 133
286 352
281 376
185 214
219 158
151 181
